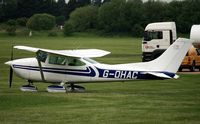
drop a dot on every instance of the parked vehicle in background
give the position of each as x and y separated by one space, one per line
191 60
157 38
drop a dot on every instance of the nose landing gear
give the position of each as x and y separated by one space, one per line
29 87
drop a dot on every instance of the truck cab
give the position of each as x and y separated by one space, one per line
157 38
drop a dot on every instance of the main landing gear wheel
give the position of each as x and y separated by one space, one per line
75 88
56 89
29 87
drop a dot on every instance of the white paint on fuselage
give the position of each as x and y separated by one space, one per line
35 75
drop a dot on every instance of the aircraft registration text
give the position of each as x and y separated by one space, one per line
120 74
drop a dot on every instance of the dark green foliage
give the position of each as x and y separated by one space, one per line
84 18
154 11
137 30
11 22
96 2
22 21
68 29
60 20
11 27
52 34
112 17
8 10
41 22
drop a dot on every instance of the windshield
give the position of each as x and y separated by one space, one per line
90 60
41 56
149 35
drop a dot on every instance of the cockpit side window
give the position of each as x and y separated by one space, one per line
57 60
75 62
62 60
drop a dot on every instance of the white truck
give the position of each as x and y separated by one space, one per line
157 38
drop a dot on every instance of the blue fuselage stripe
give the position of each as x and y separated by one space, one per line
88 72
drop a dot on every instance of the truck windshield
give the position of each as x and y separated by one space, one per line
149 35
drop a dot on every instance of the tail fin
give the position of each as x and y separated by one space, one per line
171 59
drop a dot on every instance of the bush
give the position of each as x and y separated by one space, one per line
11 22
3 26
11 27
41 22
68 29
52 34
22 21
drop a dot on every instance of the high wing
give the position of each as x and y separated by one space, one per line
89 53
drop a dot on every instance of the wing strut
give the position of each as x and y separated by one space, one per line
38 55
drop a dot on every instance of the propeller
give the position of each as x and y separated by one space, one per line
11 70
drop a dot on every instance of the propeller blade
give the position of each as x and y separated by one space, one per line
11 77
11 70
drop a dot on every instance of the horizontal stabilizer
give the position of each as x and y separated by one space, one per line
162 75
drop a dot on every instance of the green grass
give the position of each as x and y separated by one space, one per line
139 102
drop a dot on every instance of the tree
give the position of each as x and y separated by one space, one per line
11 27
8 10
84 18
60 20
68 28
41 22
96 2
154 11
83 3
26 8
137 30
22 21
189 15
133 13
112 18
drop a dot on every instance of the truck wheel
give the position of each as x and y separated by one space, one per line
192 68
180 69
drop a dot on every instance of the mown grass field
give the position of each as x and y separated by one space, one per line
139 102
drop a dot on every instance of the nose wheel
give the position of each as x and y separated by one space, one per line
29 87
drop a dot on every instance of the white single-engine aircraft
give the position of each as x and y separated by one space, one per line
75 66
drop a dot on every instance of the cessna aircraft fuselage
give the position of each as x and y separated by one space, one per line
88 71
